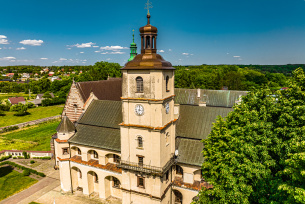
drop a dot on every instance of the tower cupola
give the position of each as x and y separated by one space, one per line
148 59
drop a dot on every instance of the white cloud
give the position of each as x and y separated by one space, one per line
43 58
117 53
69 48
8 58
113 48
32 42
170 50
20 48
97 51
83 45
95 46
108 59
236 56
85 60
62 59
160 50
185 53
3 40
82 52
104 53
55 62
180 59
0 48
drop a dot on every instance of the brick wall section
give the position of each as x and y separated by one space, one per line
74 104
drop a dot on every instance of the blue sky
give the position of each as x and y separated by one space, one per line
78 32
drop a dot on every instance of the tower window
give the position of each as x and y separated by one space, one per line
141 182
80 174
141 159
140 142
167 79
78 151
65 151
139 81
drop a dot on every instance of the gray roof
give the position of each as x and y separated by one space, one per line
220 98
103 113
65 125
100 137
196 121
190 151
99 125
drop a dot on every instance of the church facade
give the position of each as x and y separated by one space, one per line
143 146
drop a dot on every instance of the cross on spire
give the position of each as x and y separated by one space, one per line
148 5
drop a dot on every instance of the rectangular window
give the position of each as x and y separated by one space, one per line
65 151
141 159
141 182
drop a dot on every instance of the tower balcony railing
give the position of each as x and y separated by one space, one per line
147 169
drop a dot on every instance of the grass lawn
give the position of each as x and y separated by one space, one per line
35 138
12 182
36 113
8 95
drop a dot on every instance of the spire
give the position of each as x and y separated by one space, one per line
133 48
65 125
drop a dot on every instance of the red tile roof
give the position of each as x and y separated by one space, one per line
16 100
104 90
94 163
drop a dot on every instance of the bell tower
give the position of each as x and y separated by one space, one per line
148 127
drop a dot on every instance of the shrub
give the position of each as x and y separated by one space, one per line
5 158
20 157
26 156
23 168
43 158
32 161
26 172
14 157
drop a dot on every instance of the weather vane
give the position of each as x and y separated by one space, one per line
148 5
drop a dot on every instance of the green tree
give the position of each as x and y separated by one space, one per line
245 154
295 171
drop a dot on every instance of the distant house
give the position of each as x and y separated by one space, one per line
16 100
40 96
10 75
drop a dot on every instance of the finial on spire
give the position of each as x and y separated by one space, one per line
148 5
133 35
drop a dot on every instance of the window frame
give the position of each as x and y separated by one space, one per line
140 160
166 83
139 85
140 142
65 150
116 183
139 183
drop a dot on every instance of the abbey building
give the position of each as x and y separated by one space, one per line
138 138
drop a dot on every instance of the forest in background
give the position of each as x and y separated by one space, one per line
234 77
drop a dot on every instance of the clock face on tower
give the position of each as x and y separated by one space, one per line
139 109
167 108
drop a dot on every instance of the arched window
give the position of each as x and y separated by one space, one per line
139 81
140 142
179 170
167 79
79 152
